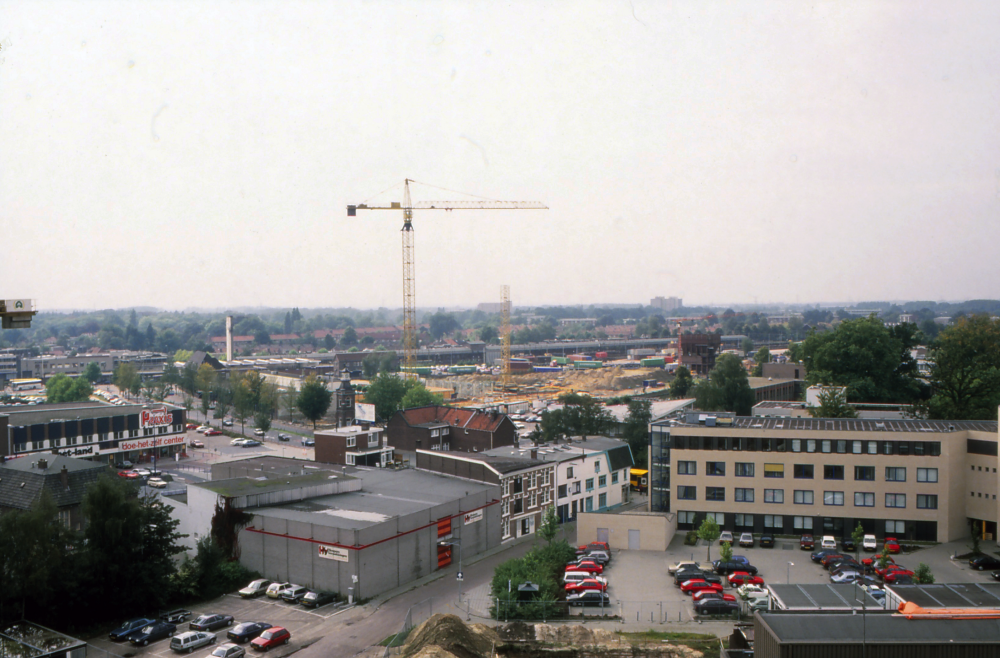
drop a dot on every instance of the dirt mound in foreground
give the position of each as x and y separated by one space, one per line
576 635
444 635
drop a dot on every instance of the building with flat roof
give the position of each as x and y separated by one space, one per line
353 446
912 479
945 595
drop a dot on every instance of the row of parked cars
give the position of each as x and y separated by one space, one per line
583 578
141 631
705 585
288 592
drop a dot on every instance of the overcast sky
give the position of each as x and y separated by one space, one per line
201 154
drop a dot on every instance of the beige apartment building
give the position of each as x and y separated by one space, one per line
912 479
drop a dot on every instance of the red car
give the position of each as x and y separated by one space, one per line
583 585
889 568
891 576
891 545
806 543
743 578
131 475
272 637
192 426
594 546
874 561
585 565
212 432
692 586
711 594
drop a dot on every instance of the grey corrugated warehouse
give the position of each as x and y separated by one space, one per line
385 535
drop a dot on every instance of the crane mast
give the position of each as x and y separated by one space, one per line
505 339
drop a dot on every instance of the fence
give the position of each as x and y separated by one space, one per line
416 614
624 611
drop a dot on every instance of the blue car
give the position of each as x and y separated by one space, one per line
130 628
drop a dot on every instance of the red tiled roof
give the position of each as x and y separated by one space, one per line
284 336
465 418
236 339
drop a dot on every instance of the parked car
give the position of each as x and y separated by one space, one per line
743 578
752 591
156 483
284 437
996 575
203 428
308 442
589 597
583 585
889 568
188 642
314 599
142 472
898 576
274 590
841 561
272 637
128 475
847 545
211 622
682 577
251 443
129 628
213 432
692 586
892 545
746 540
255 589
846 576
828 542
761 603
726 568
767 540
227 422
294 594
259 432
126 464
679 566
706 594
846 565
228 651
191 426
806 542
247 630
238 441
868 543
153 632
983 562
196 443
742 559
574 576
176 616
589 566
830 557
726 537
716 607
602 557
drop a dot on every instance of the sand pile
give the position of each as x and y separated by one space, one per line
445 636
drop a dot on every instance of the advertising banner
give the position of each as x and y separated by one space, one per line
149 442
332 553
149 418
473 517
364 412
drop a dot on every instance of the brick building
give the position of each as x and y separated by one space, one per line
449 428
23 482
353 446
697 352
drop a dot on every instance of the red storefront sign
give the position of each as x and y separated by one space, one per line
149 418
149 442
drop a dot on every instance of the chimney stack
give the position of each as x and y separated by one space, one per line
64 476
229 338
43 463
534 453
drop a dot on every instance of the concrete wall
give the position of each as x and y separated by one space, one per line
656 530
195 514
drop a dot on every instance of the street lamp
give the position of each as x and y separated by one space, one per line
788 573
459 576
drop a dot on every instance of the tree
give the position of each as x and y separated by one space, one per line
763 356
350 337
550 525
726 551
747 346
262 421
727 388
682 383
313 399
923 575
419 396
873 361
488 334
832 405
61 388
126 377
636 431
858 535
290 399
442 323
709 532
92 373
329 342
883 557
965 375
205 378
171 375
386 392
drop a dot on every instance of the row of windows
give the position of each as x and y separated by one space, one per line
831 446
807 471
805 497
777 521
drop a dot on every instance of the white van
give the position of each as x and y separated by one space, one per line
577 576
869 543
828 542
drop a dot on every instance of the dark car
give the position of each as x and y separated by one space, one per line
129 628
996 575
729 567
211 622
847 544
589 597
284 437
833 557
246 631
176 616
767 540
716 607
806 542
153 632
316 599
819 555
983 562
692 574
842 562
846 565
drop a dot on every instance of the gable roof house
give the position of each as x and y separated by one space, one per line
437 427
65 479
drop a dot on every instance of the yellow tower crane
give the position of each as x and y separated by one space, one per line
505 339
409 276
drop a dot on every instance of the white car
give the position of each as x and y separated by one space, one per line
752 591
237 442
259 432
726 536
828 543
673 568
203 428
142 472
158 483
869 543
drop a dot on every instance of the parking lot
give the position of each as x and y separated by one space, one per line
305 625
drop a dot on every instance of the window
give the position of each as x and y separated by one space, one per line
687 493
895 527
833 497
864 499
517 506
796 445
562 490
927 475
856 447
894 474
614 478
833 472
803 497
774 495
590 484
602 481
518 485
744 520
597 467
590 504
744 495
895 500
774 470
687 468
811 445
803 471
715 493
926 501
602 500
685 517
827 445
351 441
576 487
720 517
864 472
569 472
774 521
744 470
802 522
715 468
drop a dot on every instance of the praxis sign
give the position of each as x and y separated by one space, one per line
150 418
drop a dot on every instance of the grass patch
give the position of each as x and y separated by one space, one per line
396 640
706 643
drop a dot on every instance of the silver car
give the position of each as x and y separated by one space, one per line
188 642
